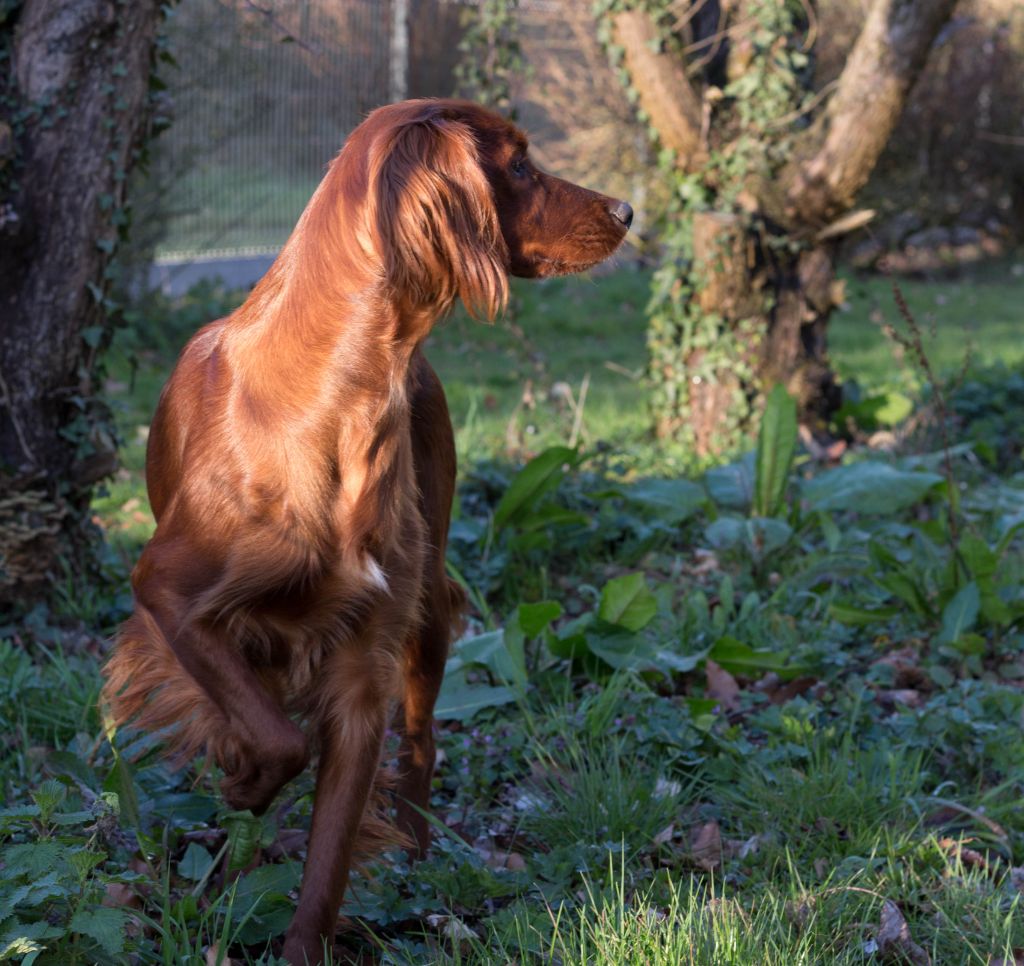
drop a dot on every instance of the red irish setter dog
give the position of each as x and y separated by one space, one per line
301 468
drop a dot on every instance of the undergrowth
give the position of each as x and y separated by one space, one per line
770 715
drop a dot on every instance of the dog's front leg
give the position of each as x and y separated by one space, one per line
358 686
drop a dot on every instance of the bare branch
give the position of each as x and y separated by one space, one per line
661 83
841 149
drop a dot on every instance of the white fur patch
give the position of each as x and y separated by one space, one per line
375 575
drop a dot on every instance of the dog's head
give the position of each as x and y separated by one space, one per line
457 205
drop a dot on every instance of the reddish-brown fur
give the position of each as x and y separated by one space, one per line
301 468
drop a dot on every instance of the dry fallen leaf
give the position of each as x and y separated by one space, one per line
907 670
214 958
799 913
121 896
290 843
452 927
665 835
971 858
907 697
1018 959
894 937
722 686
706 846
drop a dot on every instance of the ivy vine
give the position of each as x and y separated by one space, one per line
491 59
749 136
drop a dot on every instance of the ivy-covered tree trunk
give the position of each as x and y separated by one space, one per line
766 174
74 99
768 308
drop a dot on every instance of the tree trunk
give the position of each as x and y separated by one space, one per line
779 306
74 110
781 298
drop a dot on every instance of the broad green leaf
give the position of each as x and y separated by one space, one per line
758 536
498 651
120 782
48 796
667 660
869 487
260 907
542 474
571 641
244 832
888 409
961 613
739 658
105 926
37 891
905 588
185 808
969 643
776 444
980 558
459 700
195 863
22 946
860 616
672 500
271 879
533 618
1007 537
628 602
732 486
551 515
621 649
33 859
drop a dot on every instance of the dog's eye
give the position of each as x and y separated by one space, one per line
518 167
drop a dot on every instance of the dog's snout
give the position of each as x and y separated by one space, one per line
621 211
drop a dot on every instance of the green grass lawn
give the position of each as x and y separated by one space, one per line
676 733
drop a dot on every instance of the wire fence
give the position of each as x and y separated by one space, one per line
262 98
264 93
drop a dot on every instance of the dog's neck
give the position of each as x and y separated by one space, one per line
327 370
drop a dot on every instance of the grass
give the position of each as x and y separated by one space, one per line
517 386
740 756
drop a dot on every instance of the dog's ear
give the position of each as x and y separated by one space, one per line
435 217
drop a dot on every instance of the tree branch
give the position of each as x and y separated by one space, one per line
665 93
838 153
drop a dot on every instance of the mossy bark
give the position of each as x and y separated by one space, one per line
781 294
74 105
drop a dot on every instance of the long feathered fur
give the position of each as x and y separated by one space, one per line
301 468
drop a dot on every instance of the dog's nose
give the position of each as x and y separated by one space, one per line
622 212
